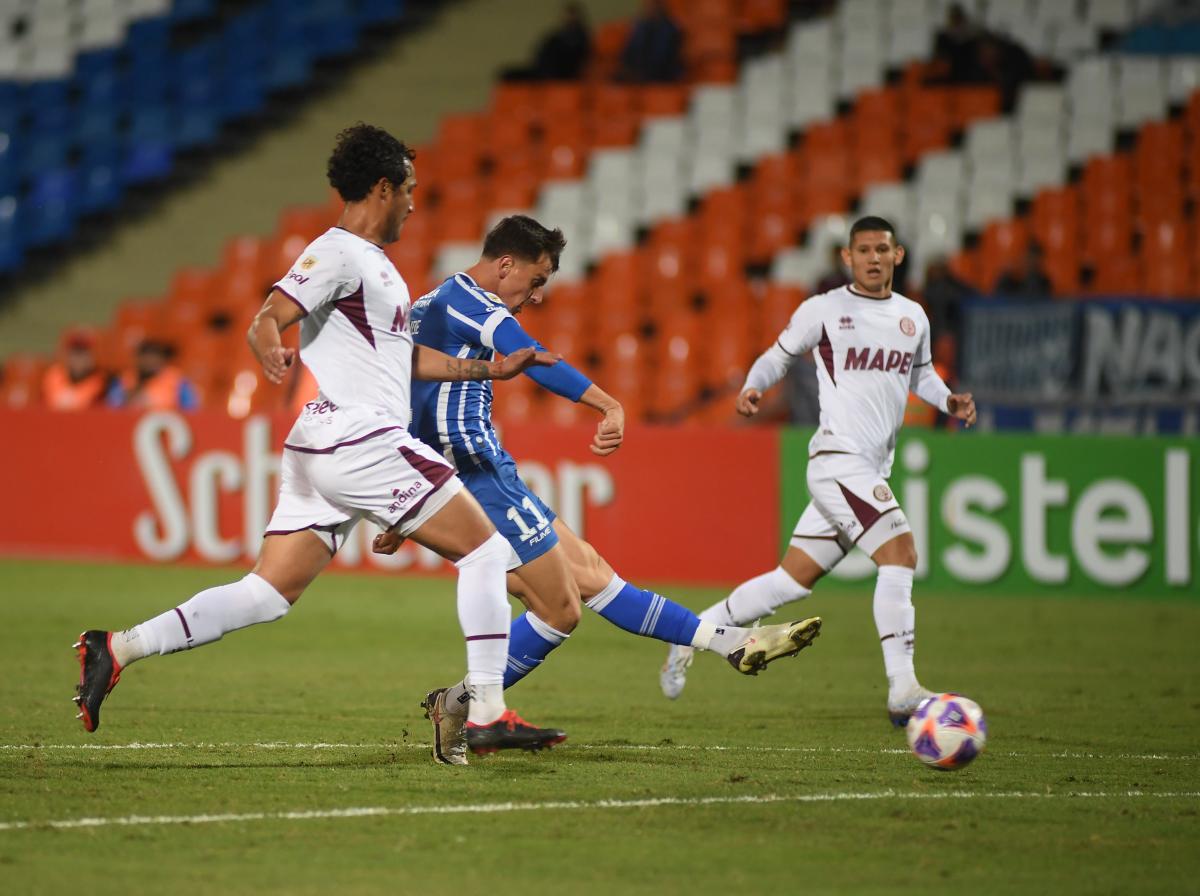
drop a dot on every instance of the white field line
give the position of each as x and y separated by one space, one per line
641 748
568 805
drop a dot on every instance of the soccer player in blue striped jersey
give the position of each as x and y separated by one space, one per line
474 315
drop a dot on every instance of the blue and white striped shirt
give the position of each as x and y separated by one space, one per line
463 320
460 319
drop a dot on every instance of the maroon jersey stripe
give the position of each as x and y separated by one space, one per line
826 349
355 310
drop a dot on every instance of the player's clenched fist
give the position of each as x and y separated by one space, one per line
963 407
276 361
747 402
610 432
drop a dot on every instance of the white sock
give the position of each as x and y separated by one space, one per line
718 638
756 598
485 618
895 619
202 619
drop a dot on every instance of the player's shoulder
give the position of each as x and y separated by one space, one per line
334 251
823 302
909 307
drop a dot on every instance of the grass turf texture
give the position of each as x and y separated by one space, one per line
1082 696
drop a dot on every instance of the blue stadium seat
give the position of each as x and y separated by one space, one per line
100 176
125 111
146 162
9 164
51 206
373 12
184 11
40 152
11 243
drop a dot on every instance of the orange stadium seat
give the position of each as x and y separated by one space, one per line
971 103
21 385
618 129
928 121
564 147
662 99
1001 243
1115 275
709 51
761 15
776 308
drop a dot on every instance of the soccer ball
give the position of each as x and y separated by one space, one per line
947 731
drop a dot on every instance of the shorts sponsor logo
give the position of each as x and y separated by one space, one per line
882 493
404 496
309 262
907 327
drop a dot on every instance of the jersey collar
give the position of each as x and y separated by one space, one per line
850 289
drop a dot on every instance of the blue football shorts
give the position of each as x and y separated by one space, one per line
517 513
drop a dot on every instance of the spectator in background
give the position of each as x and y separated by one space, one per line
956 48
944 297
563 52
75 381
835 276
965 53
653 53
1024 278
154 384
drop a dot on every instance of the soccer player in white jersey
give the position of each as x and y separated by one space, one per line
473 314
349 455
870 345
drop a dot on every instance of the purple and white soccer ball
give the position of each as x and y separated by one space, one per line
947 731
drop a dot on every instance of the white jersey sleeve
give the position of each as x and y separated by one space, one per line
318 278
924 379
801 335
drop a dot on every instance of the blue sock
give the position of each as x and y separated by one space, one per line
645 613
529 642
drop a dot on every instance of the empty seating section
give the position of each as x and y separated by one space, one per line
670 194
98 96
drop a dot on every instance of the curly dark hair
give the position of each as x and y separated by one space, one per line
363 154
524 238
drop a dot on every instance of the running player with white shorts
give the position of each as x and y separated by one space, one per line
349 455
473 315
871 346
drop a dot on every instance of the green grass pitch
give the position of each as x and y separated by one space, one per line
293 758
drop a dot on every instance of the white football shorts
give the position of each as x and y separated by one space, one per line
388 477
851 505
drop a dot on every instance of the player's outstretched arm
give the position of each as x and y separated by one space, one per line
430 364
276 315
610 432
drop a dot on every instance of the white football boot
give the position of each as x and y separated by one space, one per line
673 676
902 705
771 642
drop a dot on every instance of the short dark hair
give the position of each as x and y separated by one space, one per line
362 155
872 222
524 238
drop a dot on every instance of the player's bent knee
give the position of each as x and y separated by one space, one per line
900 551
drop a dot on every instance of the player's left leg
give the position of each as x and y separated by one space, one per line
896 622
815 548
646 613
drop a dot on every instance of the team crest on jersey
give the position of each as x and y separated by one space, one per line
882 493
309 262
846 323
907 327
